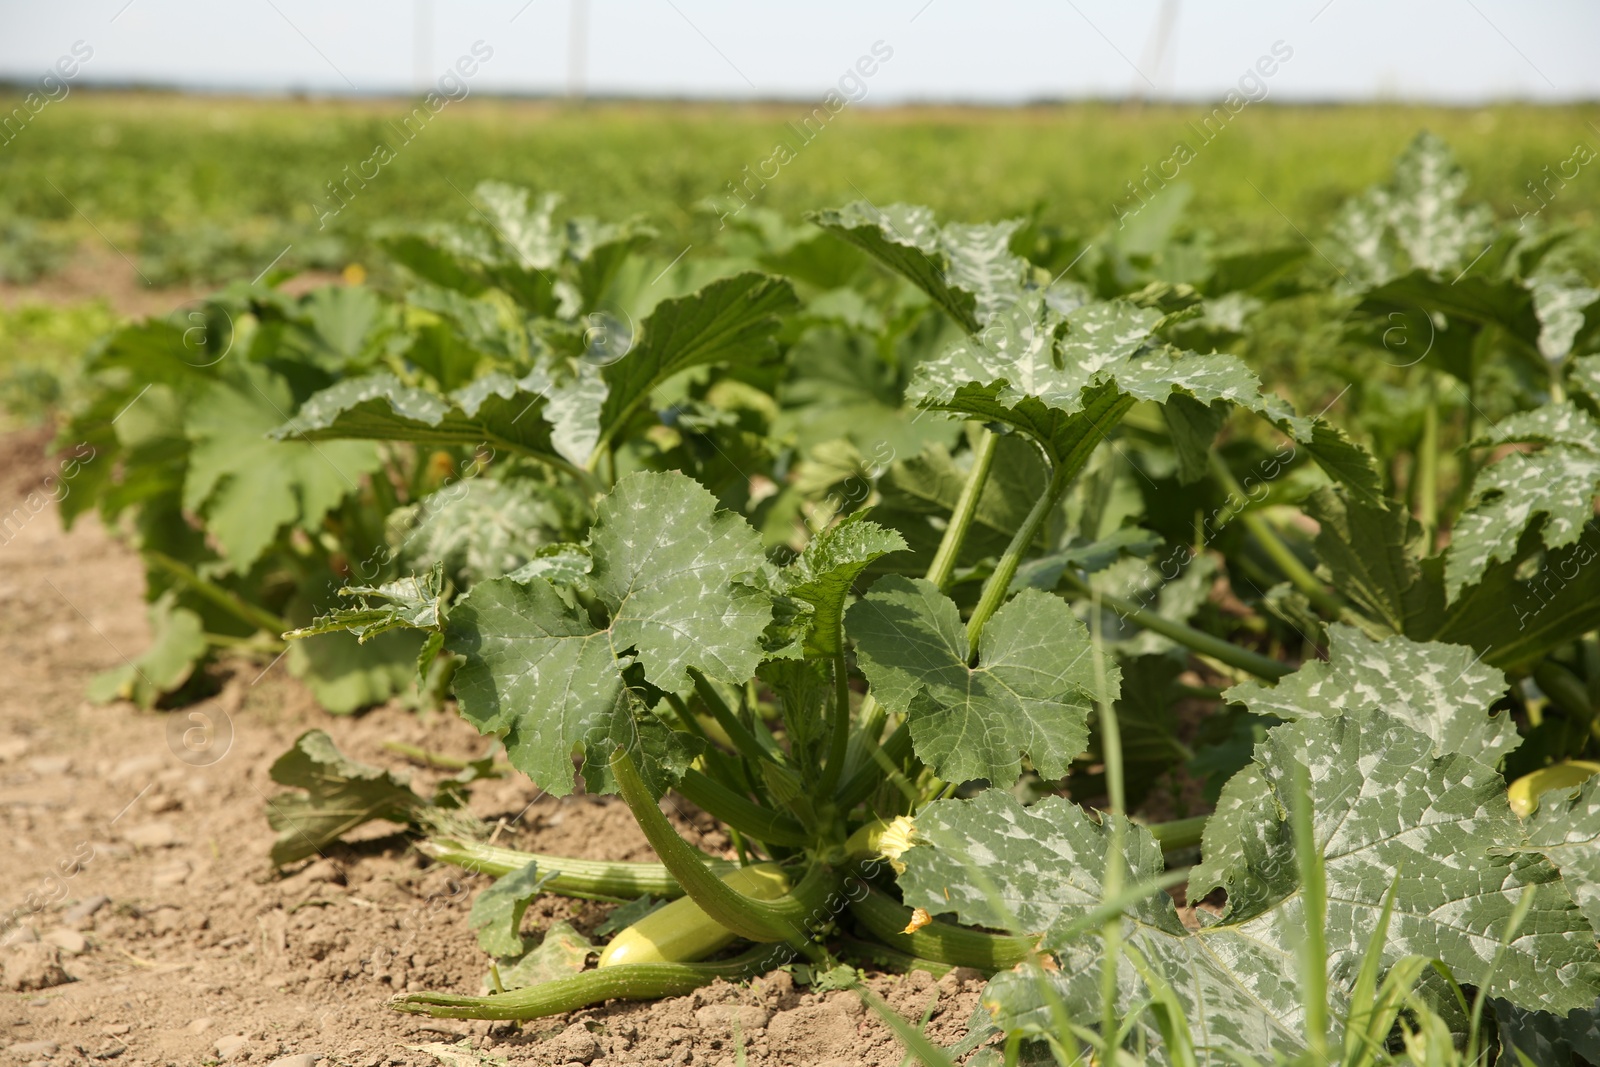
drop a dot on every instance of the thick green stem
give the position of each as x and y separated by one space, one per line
748 745
996 589
887 919
759 920
222 598
743 815
609 878
1427 494
1205 644
839 738
955 534
895 748
625 981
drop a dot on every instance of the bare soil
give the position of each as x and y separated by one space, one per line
144 925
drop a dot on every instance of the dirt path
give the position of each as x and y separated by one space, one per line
142 876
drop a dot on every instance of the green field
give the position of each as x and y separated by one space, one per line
189 181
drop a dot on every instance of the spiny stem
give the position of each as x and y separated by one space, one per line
746 742
740 814
1180 833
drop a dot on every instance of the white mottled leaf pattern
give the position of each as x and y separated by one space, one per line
1030 693
968 270
1415 221
1038 870
1443 691
1387 817
1565 829
1036 369
1387 812
665 564
1559 301
1557 483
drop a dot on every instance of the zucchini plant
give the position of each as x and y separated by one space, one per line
863 733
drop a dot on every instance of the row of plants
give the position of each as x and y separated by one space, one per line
923 555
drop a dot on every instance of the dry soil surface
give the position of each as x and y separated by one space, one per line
143 924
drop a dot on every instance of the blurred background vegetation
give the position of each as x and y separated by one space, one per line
125 204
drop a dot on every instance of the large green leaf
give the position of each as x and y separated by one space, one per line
1030 693
497 912
249 486
339 794
968 271
496 409
1515 618
1039 871
1443 691
667 568
178 644
1366 550
1557 483
1416 220
481 528
1388 819
1565 829
826 570
1066 379
1387 813
728 320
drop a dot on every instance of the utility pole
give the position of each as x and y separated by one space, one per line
577 49
422 44
1154 60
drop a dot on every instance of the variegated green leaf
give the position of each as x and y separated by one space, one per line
1440 690
1559 301
1036 679
1038 871
732 318
1388 818
1387 813
1565 829
967 270
1065 379
1556 484
481 528
1416 220
496 409
667 567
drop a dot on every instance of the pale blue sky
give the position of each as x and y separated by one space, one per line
1000 51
